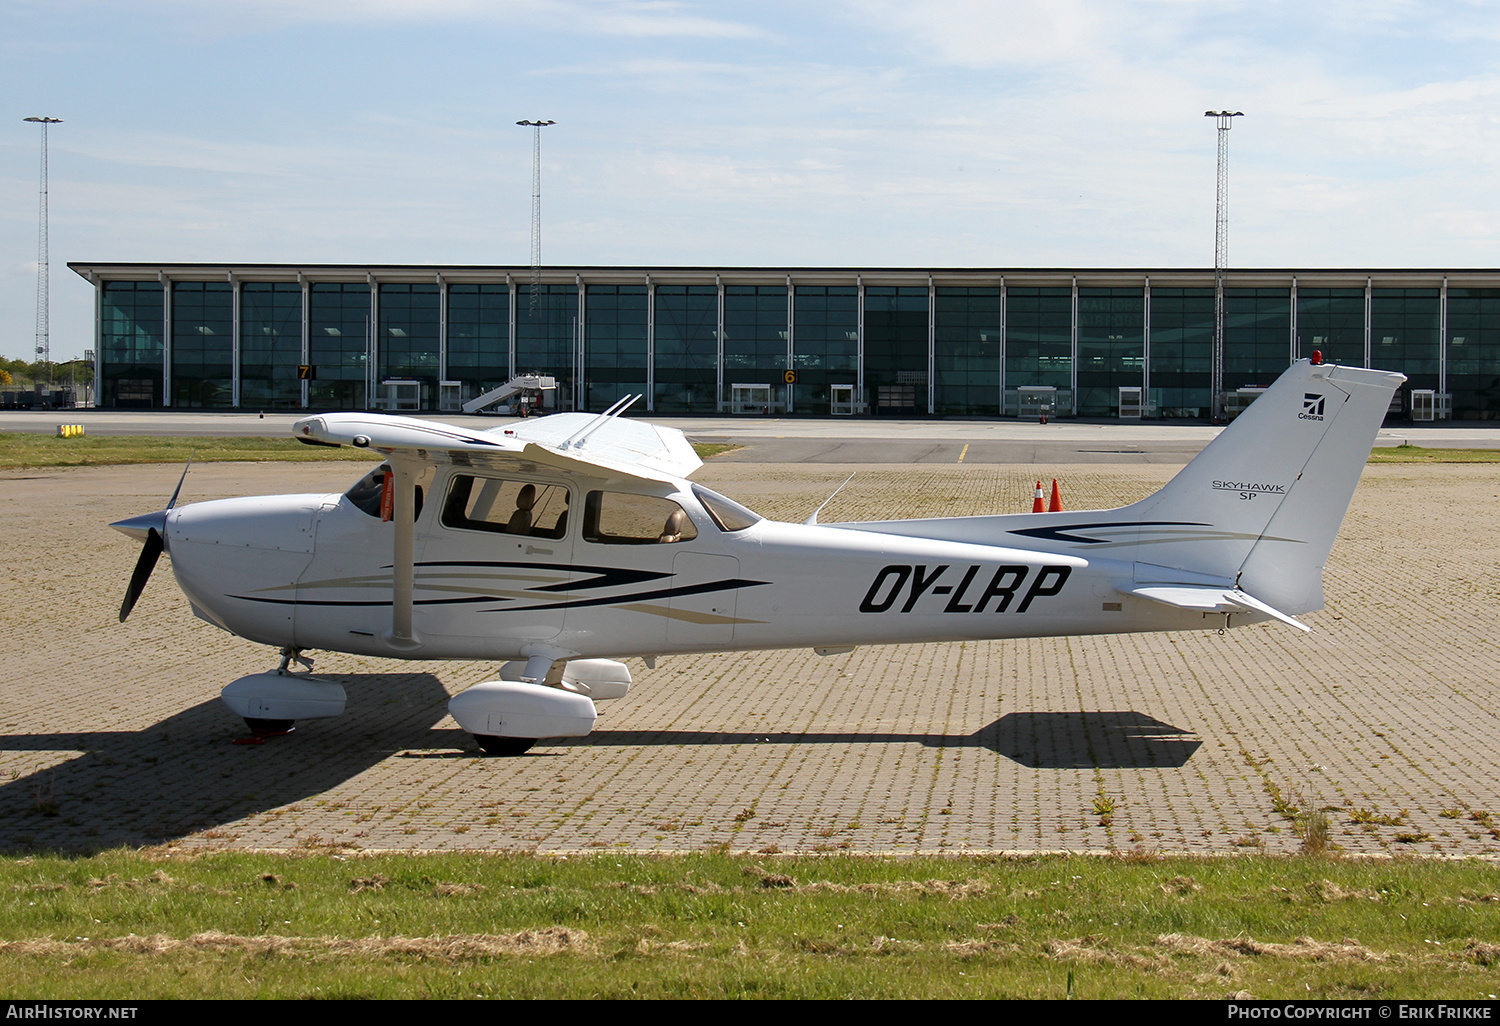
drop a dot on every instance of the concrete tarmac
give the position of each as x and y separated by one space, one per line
836 440
1386 713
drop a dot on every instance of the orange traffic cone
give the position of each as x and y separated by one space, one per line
1037 504
1055 506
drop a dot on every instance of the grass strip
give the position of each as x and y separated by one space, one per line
1406 453
337 924
25 451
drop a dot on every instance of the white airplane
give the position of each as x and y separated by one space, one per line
564 544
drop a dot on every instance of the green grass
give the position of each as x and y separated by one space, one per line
324 924
708 450
1406 453
20 450
26 451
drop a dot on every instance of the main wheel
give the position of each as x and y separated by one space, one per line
492 745
269 726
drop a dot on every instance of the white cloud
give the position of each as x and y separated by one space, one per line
639 18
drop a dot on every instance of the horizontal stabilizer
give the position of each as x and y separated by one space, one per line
1209 599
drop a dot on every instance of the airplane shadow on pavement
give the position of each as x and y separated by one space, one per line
182 775
1044 740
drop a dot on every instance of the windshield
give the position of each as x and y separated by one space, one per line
728 514
365 495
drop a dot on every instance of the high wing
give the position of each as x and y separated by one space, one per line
602 445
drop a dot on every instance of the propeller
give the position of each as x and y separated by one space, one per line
150 528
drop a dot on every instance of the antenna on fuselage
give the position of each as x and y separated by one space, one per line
812 521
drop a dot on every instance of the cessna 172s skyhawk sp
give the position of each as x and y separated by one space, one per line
566 543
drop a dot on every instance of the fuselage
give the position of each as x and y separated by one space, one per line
507 561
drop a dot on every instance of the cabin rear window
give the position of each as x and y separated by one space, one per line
624 518
506 506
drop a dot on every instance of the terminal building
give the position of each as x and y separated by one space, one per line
906 342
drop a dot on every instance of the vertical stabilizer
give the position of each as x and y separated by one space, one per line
1261 504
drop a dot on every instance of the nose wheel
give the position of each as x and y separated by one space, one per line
262 731
492 745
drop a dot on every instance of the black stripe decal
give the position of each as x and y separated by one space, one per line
601 576
660 593
373 602
1059 532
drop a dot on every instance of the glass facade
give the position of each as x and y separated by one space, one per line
825 337
547 336
338 344
1474 353
1331 321
1038 337
1111 347
270 344
916 343
478 337
203 344
1406 332
132 322
967 331
1257 331
755 330
614 344
896 350
1182 348
687 348
410 323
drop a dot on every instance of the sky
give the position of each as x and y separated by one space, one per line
858 133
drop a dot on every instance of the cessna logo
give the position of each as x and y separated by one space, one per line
908 584
1312 406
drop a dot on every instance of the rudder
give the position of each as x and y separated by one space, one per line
1261 504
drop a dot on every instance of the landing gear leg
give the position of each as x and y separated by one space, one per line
293 655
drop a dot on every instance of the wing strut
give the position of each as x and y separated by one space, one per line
403 555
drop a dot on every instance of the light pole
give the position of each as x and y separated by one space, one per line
536 206
43 264
1221 255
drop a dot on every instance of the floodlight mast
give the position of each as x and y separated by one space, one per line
43 263
1221 255
536 206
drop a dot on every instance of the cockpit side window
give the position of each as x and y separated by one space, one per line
366 493
625 518
506 506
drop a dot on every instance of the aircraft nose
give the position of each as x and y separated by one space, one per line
140 527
